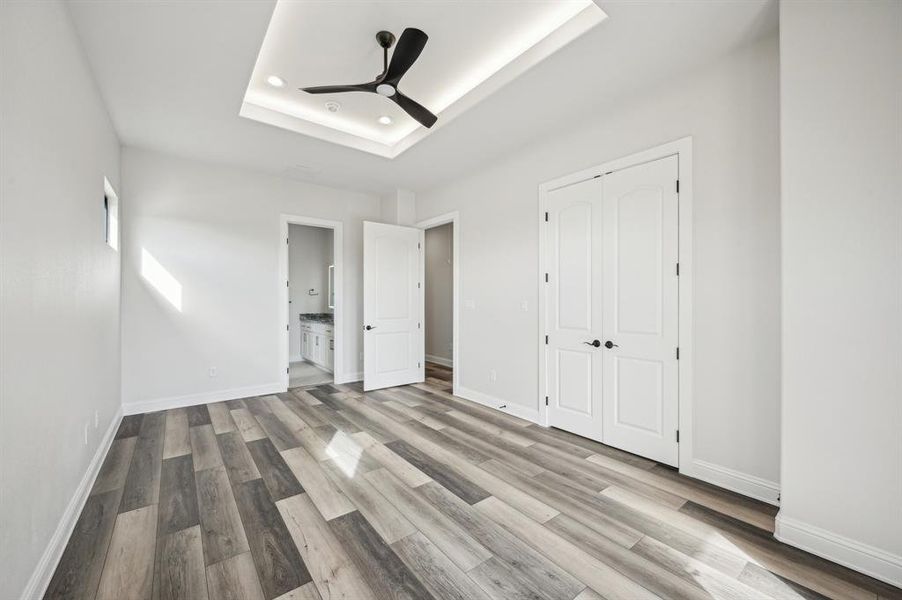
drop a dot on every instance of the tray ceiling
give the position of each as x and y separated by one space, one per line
474 48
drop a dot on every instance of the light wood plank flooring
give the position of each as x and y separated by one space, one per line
327 492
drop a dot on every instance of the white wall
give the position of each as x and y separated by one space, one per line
398 207
439 291
841 112
216 230
731 110
59 314
309 256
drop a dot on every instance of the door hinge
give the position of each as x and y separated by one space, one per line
286 284
678 436
418 365
419 325
546 277
288 369
678 186
286 240
546 216
678 269
678 353
546 340
418 285
546 400
288 327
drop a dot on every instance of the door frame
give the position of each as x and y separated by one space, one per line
682 148
452 217
338 370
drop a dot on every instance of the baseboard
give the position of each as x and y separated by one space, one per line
863 558
506 407
146 406
445 362
349 377
43 572
736 481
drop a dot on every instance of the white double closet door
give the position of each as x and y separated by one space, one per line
612 309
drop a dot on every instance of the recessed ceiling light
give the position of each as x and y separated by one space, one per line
333 106
275 81
385 120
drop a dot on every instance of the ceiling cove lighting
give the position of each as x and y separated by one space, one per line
385 120
449 77
275 81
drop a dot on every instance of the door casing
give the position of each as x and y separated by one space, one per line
682 148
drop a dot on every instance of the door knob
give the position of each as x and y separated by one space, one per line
368 327
609 344
595 343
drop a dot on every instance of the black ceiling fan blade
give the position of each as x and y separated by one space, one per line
415 109
407 50
337 89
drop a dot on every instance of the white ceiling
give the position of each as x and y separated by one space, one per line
472 45
174 73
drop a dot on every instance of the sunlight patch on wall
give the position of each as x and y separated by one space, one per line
161 280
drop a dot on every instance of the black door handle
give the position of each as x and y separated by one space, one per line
609 344
368 327
595 343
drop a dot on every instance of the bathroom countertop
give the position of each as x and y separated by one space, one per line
317 317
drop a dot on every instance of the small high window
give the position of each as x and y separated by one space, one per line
111 215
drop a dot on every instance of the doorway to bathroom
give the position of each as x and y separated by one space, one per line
311 272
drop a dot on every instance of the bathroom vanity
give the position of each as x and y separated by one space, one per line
318 340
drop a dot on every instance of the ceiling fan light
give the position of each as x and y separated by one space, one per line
275 81
383 89
385 120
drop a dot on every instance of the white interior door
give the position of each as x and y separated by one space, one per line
393 342
573 308
641 310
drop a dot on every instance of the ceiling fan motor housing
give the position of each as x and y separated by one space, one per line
385 39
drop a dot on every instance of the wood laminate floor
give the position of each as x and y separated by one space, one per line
410 492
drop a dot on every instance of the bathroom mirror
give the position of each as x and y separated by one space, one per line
331 295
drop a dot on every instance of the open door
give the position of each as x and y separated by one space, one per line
393 340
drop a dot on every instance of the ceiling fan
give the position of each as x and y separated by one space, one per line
409 47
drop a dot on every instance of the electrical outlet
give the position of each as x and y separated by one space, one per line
96 419
493 376
524 305
212 372
86 434
470 304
